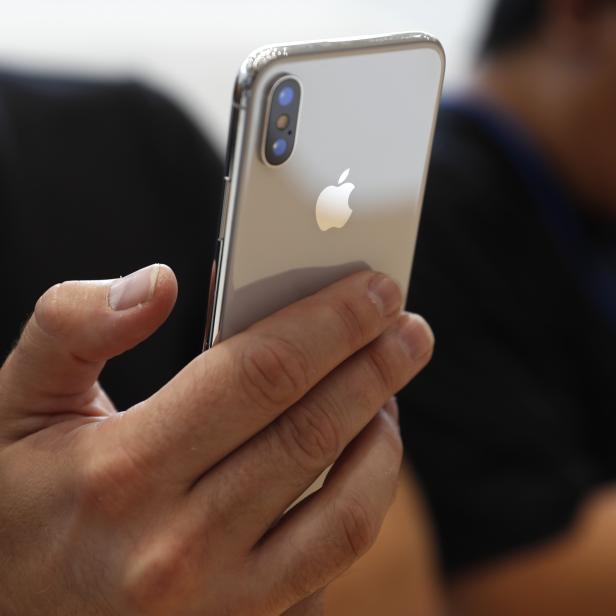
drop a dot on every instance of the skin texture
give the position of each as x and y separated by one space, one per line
176 506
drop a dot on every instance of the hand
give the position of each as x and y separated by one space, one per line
176 506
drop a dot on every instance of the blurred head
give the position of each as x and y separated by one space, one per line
553 63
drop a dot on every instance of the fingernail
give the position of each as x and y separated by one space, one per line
416 336
134 289
386 294
391 408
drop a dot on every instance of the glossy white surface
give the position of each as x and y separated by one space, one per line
367 106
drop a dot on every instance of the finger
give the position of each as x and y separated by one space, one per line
392 404
235 389
293 451
75 328
326 534
312 606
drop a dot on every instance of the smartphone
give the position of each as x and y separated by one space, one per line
327 159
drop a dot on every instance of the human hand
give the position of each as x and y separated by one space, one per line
176 506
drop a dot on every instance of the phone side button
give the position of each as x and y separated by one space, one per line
212 294
225 208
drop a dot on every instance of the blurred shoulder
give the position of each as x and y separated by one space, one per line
52 89
35 104
477 204
55 124
471 169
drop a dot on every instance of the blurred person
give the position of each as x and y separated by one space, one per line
512 428
175 505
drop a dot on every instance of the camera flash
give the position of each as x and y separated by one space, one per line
282 121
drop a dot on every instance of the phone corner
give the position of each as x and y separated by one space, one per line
436 45
256 62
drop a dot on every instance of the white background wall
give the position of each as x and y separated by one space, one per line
192 48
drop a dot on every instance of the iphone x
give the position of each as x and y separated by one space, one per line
327 159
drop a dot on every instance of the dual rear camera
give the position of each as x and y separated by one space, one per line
282 120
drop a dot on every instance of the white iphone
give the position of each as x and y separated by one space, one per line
327 160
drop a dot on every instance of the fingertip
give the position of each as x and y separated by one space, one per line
150 289
424 326
166 289
136 317
429 332
417 336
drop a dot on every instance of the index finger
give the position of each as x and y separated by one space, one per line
231 392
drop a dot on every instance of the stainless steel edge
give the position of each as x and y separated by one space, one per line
424 181
236 138
264 56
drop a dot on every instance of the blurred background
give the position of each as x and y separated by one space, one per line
191 49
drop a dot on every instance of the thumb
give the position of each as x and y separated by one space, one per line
76 327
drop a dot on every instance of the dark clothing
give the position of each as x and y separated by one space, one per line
513 424
509 428
97 180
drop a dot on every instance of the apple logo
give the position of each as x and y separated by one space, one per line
333 209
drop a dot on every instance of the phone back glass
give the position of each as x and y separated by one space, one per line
367 105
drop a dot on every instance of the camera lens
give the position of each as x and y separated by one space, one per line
279 147
286 96
281 122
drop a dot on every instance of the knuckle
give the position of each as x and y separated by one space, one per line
358 528
310 436
352 321
108 483
161 577
273 373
